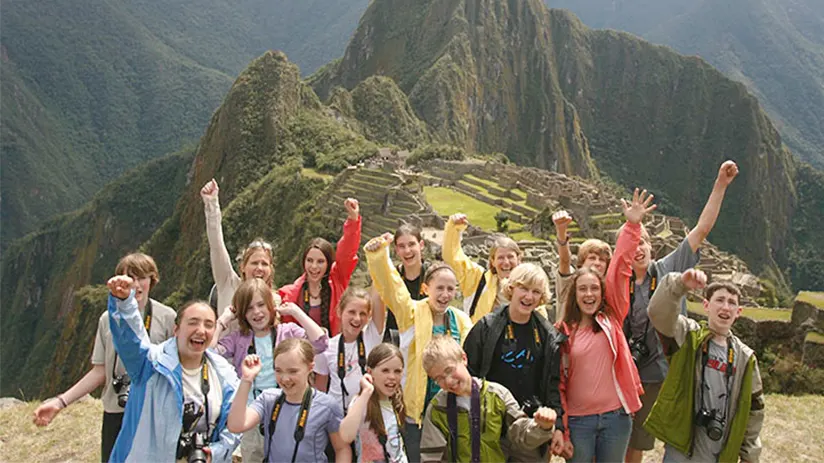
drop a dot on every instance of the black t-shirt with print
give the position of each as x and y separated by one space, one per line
515 363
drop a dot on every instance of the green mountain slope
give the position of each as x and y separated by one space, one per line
775 47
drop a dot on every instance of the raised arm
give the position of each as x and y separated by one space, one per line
378 309
308 328
346 253
562 219
222 270
620 268
664 307
242 418
357 411
726 174
129 336
388 281
469 273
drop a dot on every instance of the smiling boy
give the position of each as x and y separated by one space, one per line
718 416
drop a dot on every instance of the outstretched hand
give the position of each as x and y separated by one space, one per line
45 413
352 208
639 207
210 190
120 286
727 173
694 279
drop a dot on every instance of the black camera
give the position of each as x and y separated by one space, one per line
121 388
638 349
190 444
531 405
709 419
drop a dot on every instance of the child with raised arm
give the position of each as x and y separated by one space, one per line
259 333
480 287
711 405
298 421
418 321
376 416
326 273
471 419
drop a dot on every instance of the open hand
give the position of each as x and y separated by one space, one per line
210 190
367 385
45 413
694 279
352 208
639 207
459 219
727 173
120 286
545 417
250 367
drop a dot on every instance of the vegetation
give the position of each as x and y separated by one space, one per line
429 152
810 297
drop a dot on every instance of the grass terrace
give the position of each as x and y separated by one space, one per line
811 297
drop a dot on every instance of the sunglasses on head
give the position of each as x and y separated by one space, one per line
260 244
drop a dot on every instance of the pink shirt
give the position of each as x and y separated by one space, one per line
592 388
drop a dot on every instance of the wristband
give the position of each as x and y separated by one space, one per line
62 401
562 243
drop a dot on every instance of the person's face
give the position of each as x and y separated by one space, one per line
141 288
722 310
354 317
195 331
643 255
588 294
291 372
408 249
257 314
597 262
315 265
505 260
451 376
387 376
441 290
525 299
259 265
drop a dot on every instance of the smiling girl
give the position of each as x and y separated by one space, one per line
418 321
259 333
298 421
377 414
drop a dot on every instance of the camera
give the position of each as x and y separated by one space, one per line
638 349
709 419
190 444
531 405
121 388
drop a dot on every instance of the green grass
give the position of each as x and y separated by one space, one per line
489 194
810 297
755 313
313 173
447 202
520 193
814 337
484 181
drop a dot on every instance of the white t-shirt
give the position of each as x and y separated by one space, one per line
192 394
327 363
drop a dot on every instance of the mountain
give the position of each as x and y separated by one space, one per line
92 88
774 47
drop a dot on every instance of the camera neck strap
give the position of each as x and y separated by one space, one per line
474 422
204 389
147 322
728 374
653 283
300 426
382 438
342 364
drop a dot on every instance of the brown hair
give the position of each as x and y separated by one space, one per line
732 288
325 290
407 229
182 310
503 242
243 297
352 294
138 265
378 355
434 268
304 348
572 313
594 246
257 245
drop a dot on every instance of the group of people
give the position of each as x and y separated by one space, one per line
318 370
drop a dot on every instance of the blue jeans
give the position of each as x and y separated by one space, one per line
603 437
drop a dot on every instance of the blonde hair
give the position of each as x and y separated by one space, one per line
258 245
441 348
503 242
352 294
594 246
528 275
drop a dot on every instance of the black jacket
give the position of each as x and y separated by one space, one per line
484 336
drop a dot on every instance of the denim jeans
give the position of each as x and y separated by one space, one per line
604 437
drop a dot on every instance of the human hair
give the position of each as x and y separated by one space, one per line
302 346
503 242
407 229
257 245
731 287
594 246
528 275
379 354
325 290
572 313
442 348
138 265
245 294
182 310
352 294
434 268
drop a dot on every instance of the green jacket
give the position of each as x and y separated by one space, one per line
672 417
501 418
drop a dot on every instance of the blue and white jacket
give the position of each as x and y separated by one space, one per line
154 412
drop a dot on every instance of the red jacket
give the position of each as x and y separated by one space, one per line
346 259
628 382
